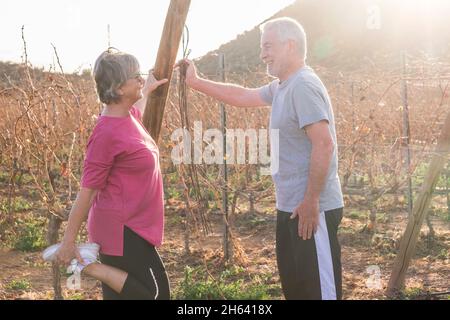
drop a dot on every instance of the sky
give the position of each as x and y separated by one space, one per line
78 29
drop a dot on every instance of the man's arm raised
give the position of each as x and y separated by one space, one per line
226 92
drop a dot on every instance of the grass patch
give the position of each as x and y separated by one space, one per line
76 296
257 221
231 284
356 215
348 236
18 204
30 236
441 213
417 293
172 193
435 248
4 176
346 230
443 254
18 284
175 219
364 216
251 221
412 293
382 218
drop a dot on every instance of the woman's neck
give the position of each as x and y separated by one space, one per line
119 109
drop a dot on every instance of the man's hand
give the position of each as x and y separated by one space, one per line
191 71
308 218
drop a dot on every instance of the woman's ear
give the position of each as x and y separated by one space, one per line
119 92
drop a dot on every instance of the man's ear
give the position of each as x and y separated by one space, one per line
292 45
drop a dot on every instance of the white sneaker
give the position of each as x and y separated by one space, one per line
76 267
88 251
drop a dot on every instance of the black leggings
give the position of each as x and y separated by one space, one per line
147 277
310 269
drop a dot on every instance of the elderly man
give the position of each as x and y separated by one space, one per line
308 191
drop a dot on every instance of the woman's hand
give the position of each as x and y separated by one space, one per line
66 253
151 83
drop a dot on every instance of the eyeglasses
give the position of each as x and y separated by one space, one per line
139 75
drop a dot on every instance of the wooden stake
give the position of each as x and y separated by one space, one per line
420 211
167 54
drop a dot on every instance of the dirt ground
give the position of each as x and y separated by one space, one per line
255 236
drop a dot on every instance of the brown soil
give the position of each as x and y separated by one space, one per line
254 235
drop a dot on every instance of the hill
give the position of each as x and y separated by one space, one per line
347 35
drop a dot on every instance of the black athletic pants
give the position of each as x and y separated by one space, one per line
310 269
147 277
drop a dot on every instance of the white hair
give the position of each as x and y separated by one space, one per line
287 29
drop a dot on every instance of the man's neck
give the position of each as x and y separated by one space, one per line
292 69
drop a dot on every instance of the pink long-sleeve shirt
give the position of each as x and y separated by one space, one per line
122 163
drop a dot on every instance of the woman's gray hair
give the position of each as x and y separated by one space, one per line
288 29
111 70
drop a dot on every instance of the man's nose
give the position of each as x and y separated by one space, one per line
262 55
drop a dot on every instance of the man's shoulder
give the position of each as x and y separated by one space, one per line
307 76
308 81
271 87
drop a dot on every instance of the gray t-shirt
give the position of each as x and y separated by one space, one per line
296 103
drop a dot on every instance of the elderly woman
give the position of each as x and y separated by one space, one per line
121 191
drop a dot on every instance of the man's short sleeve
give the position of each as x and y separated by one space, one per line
268 91
310 105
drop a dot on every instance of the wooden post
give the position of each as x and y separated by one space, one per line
54 224
447 190
406 137
167 54
420 210
227 246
